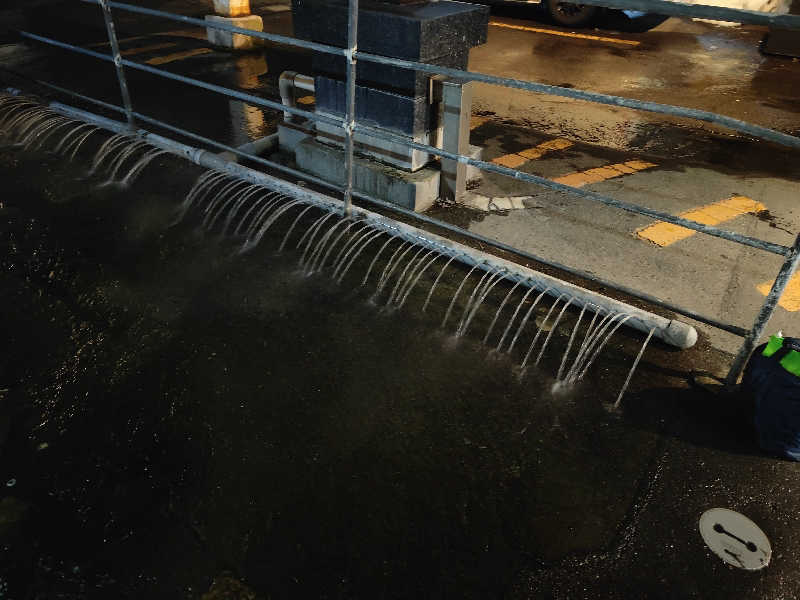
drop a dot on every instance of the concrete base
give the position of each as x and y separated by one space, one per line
291 134
235 41
392 153
416 191
474 174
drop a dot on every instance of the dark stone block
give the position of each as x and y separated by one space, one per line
409 31
396 79
375 108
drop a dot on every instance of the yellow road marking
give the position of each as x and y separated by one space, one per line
582 36
664 234
306 100
791 295
149 48
512 161
162 60
582 178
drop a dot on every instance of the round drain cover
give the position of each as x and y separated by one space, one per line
735 539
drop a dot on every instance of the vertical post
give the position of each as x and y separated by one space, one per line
123 83
788 269
456 111
350 117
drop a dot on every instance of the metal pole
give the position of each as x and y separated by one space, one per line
788 269
350 118
123 83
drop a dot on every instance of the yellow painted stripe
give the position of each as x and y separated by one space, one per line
582 178
149 48
517 159
791 295
306 100
162 60
582 36
664 234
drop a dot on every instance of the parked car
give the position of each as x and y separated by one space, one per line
570 14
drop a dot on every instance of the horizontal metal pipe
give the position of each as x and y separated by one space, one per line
763 133
244 97
707 229
63 90
703 11
235 151
787 271
626 206
270 37
734 329
672 332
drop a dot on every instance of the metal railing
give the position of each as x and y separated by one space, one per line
349 125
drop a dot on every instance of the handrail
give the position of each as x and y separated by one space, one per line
351 54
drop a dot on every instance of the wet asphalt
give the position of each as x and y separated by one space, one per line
506 493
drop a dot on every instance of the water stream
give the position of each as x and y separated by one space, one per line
208 381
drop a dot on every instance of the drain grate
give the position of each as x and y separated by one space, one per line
735 539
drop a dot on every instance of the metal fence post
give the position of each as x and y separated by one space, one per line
350 118
123 83
788 269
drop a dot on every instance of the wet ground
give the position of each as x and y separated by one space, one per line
179 419
692 165
175 415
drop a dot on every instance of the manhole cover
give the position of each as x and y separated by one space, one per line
735 539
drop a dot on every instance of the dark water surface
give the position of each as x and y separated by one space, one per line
174 412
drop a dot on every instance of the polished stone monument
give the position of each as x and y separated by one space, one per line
391 99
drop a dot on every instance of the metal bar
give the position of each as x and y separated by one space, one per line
58 88
734 329
238 152
788 269
670 331
703 11
249 98
270 37
117 57
350 118
741 332
626 206
666 6
764 133
662 216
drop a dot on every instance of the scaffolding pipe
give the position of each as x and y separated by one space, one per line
491 167
117 58
670 331
788 269
350 114
303 176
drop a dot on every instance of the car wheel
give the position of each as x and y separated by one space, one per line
569 14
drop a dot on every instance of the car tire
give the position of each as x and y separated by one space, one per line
569 14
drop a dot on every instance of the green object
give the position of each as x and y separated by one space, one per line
790 362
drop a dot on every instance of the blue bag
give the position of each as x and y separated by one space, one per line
776 392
